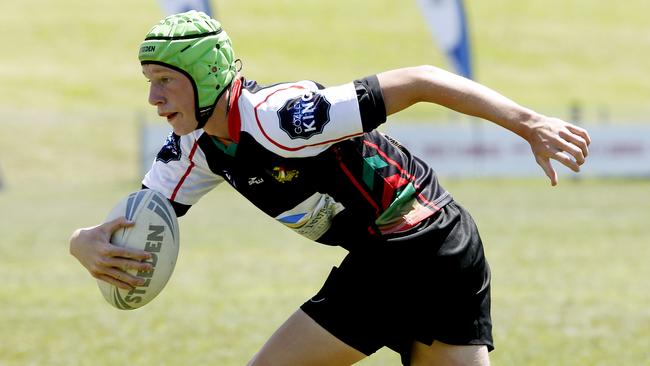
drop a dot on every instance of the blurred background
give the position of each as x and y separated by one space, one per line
570 263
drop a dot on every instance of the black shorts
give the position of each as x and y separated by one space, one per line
432 284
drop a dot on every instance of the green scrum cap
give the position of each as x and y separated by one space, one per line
195 45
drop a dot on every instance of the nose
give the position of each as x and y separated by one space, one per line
155 97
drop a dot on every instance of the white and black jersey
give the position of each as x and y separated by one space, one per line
311 158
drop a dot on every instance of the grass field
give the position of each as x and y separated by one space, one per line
570 263
548 54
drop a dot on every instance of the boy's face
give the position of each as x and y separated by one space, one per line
171 92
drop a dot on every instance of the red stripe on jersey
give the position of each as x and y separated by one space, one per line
356 183
389 160
187 172
401 170
429 203
400 227
234 119
394 182
259 124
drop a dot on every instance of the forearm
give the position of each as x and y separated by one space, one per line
405 87
549 138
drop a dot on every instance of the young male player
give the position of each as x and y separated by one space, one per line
415 279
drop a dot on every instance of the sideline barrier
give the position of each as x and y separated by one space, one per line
484 150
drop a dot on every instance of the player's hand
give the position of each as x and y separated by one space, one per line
553 138
105 261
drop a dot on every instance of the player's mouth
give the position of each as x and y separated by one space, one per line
170 116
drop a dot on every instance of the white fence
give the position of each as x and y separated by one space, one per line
484 150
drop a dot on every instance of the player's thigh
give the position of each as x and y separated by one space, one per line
301 341
443 354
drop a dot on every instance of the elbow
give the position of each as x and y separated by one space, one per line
427 71
405 87
425 75
425 81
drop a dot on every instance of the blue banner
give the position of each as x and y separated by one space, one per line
447 23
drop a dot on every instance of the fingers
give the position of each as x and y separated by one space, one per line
576 142
127 264
569 146
114 271
119 251
566 160
580 132
106 261
560 141
122 280
115 251
113 281
545 163
116 261
116 224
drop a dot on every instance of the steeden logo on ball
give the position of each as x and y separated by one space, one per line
155 231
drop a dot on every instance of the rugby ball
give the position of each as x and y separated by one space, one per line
156 231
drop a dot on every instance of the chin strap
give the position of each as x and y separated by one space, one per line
204 114
203 118
201 123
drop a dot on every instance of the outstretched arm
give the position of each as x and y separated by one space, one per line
549 138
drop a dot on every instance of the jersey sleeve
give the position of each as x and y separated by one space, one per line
180 170
371 102
301 119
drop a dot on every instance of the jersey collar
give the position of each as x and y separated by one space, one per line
234 119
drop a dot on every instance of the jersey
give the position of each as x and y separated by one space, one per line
312 158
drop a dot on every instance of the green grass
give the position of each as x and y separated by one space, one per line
569 263
66 55
569 269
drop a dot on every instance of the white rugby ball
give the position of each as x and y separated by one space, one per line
156 231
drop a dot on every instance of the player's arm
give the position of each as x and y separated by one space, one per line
549 138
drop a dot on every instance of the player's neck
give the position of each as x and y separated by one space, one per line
217 124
